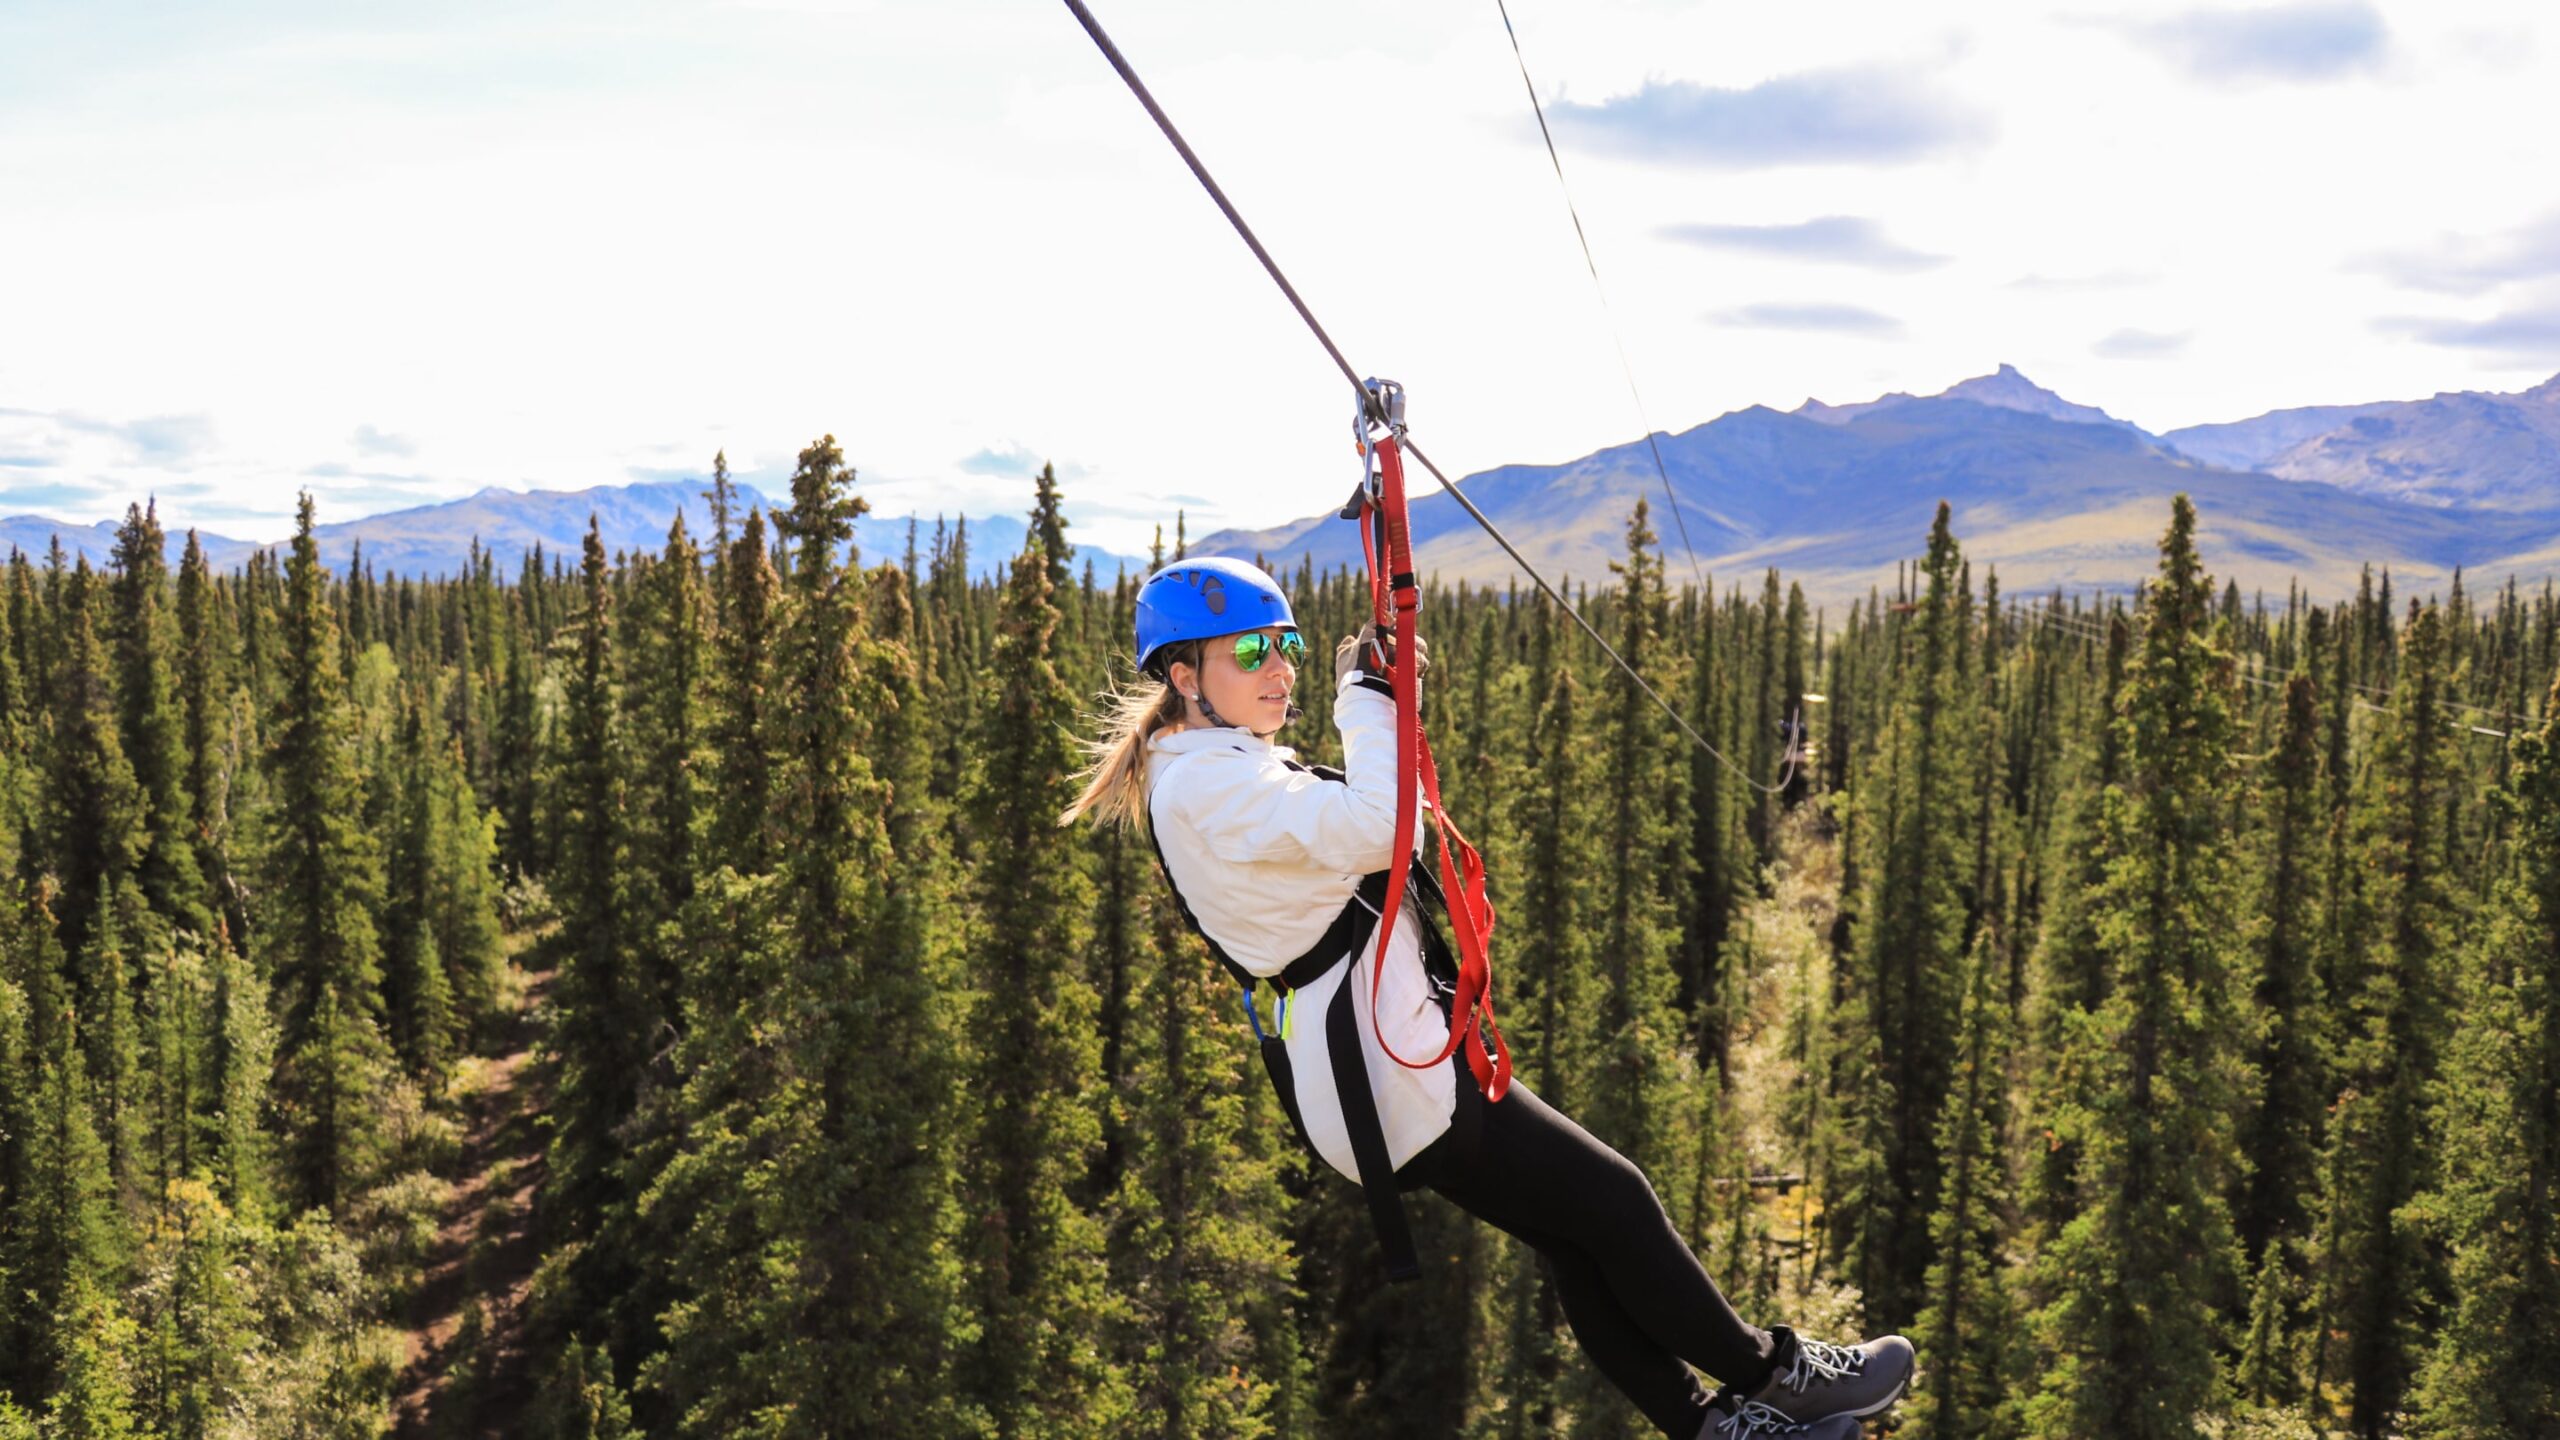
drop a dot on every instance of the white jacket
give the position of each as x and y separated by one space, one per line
1266 857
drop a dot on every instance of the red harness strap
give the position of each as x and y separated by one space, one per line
1396 599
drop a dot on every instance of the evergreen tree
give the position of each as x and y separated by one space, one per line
417 994
1626 1097
92 816
1712 869
671 763
459 896
95 1400
1123 874
1554 820
2386 1150
153 725
113 1032
796 1098
2266 1375
62 1222
239 1054
1049 533
192 1314
16 716
467 716
18 1084
2127 1340
323 888
603 1023
203 684
581 1402
2070 971
1546 1014
1037 1256
1766 715
722 496
1201 1219
2281 1136
744 726
519 744
1897 1054
1967 1324
1797 734
2493 1367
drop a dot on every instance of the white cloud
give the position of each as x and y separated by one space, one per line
1812 316
1830 239
2141 345
2299 40
1873 115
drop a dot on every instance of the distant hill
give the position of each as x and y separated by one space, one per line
2050 492
34 534
2466 447
434 540
994 540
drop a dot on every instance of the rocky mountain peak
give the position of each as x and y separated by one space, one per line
2007 388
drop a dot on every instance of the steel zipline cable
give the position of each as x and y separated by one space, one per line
1164 122
1625 366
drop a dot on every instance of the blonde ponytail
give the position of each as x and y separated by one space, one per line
1115 784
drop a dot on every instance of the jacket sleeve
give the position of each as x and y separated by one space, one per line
1247 807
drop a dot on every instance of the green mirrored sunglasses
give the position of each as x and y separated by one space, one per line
1253 647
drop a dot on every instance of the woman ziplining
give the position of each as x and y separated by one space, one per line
1283 869
1287 872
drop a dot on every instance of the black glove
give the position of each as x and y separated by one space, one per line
1369 651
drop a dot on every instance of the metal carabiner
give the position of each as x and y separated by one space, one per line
1382 404
1380 409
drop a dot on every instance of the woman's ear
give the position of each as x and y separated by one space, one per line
1184 678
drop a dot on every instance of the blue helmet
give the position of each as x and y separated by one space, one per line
1203 598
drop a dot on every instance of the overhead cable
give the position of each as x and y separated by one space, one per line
1615 336
1137 87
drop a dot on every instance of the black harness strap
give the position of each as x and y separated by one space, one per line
1368 1137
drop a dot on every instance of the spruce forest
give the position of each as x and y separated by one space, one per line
651 994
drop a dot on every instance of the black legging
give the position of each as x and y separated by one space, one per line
1638 1300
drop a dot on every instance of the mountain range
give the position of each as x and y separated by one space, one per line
2051 492
433 540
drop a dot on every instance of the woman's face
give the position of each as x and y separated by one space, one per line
1256 699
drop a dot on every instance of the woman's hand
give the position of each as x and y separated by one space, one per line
1367 651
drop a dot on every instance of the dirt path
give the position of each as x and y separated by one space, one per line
458 1382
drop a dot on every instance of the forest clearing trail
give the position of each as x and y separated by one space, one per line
464 1378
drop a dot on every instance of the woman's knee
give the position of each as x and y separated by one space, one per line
1622 1187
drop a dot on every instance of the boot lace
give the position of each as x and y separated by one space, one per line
1819 1363
1750 1418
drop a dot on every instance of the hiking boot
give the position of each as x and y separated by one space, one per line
1730 1418
1811 1380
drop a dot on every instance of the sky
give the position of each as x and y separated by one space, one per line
395 253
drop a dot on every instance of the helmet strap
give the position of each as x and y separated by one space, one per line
1202 700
